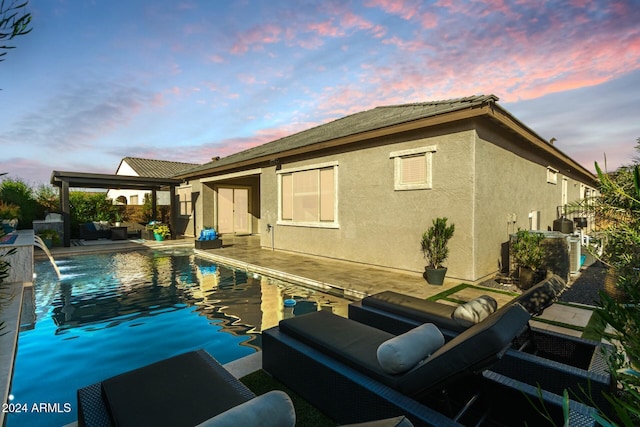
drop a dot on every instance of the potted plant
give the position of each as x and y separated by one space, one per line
435 250
161 232
529 254
50 237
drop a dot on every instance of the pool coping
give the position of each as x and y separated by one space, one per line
9 340
326 287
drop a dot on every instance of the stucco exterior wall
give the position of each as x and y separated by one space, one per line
377 224
510 184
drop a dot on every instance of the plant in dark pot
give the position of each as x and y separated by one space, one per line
529 254
434 248
49 237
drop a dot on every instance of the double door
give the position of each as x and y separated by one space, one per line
233 210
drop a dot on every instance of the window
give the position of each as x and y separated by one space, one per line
552 175
133 200
412 168
184 200
308 196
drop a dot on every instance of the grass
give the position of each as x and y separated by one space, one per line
455 289
306 415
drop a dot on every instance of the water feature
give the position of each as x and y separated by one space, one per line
39 243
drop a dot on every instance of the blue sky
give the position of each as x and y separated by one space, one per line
96 81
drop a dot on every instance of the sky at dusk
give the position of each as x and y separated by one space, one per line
96 81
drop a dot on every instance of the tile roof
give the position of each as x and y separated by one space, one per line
157 168
364 121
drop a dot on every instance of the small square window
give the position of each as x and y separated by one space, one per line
412 168
552 175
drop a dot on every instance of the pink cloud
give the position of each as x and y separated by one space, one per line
250 79
325 29
402 8
256 37
217 59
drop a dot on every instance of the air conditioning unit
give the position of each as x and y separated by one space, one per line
575 252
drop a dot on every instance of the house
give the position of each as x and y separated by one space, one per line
133 166
363 188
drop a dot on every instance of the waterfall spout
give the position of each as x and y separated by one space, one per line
37 242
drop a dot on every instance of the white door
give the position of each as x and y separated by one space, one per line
233 210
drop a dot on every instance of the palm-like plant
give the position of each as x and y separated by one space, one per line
434 242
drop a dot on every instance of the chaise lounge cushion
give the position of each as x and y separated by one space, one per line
403 352
474 311
542 295
156 394
356 344
272 409
421 310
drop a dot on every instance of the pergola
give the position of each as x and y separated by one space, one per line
67 180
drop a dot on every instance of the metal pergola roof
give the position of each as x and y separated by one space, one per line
107 181
67 180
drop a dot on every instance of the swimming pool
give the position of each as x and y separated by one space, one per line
111 313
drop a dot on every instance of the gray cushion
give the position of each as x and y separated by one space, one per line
400 421
474 311
401 353
270 409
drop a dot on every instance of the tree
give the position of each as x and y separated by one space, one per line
14 22
619 208
15 192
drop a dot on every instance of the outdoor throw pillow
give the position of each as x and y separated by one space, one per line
270 409
474 311
401 353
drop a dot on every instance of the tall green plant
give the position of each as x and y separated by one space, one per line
87 207
19 193
434 242
4 263
618 208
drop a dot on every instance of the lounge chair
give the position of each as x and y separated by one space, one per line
552 360
333 362
186 390
375 309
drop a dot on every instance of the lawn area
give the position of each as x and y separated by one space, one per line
306 415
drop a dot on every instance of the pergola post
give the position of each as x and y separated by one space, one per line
65 207
154 203
172 211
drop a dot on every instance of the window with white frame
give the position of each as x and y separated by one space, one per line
308 196
412 168
184 200
552 175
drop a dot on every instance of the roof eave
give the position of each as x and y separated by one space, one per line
438 119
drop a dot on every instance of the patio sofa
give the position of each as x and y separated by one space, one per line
95 230
334 363
186 390
552 360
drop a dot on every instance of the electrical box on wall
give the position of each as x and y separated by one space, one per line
512 217
534 220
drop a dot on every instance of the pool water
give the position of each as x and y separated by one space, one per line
112 313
